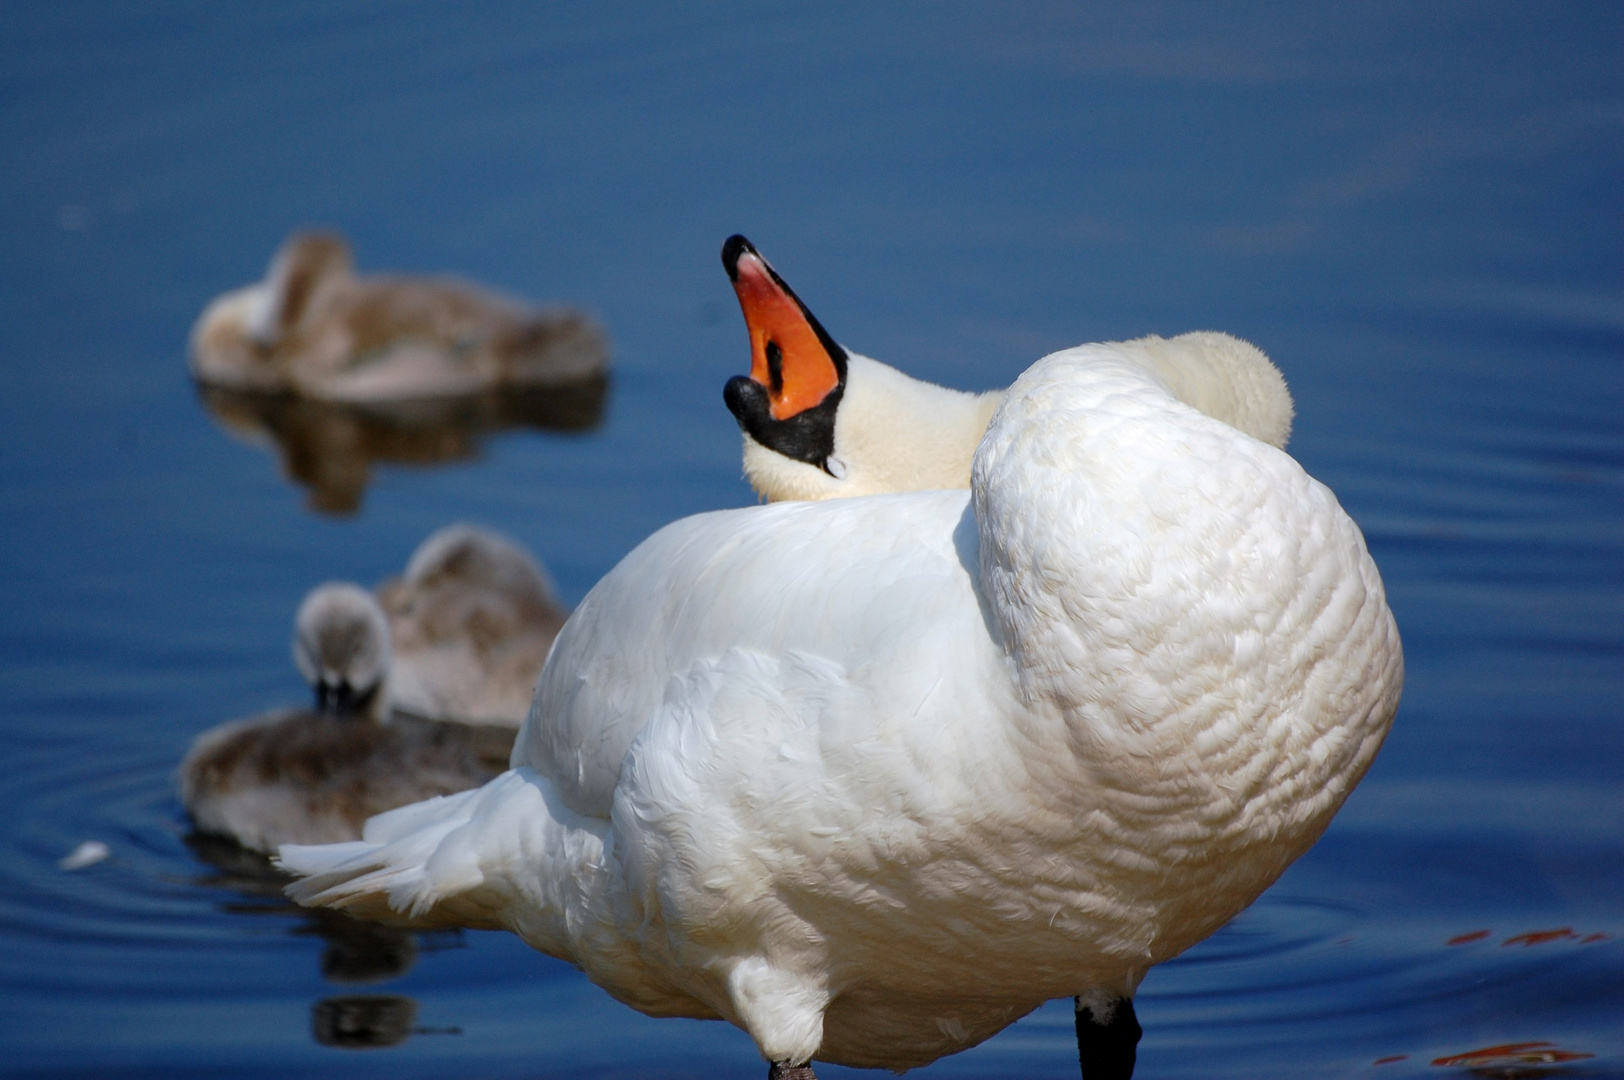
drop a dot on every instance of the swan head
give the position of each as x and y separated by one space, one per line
789 401
820 422
341 646
304 267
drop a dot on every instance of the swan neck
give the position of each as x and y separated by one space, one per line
305 267
1228 379
898 433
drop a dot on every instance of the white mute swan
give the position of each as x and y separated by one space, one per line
822 422
315 775
471 621
314 328
873 778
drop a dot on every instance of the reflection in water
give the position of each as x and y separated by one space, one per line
357 952
363 1021
329 448
1542 937
1533 937
1513 1060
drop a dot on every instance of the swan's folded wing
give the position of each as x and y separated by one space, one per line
808 578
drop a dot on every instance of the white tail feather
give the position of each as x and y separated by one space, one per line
453 860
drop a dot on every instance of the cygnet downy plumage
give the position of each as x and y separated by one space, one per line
315 775
472 620
822 422
314 328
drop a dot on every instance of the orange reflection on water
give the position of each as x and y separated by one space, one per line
1541 937
1523 1053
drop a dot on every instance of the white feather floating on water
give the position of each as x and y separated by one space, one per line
86 854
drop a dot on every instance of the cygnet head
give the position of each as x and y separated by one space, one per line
471 556
820 422
303 266
341 645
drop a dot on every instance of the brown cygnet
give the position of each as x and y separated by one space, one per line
472 621
313 327
315 775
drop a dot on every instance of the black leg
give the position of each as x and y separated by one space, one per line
1106 1048
782 1070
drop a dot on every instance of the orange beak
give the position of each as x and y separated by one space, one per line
791 356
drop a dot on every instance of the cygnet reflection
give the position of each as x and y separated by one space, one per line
329 448
357 952
314 775
472 620
314 328
363 1021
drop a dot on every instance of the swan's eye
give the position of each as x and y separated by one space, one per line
775 367
834 467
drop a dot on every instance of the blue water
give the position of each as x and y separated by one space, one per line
1413 208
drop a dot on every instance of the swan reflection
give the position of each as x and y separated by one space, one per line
329 448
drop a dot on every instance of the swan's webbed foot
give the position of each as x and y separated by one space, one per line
1107 1037
783 1070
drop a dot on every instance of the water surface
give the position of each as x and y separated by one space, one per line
1413 208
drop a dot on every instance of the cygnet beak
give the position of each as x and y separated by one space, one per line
338 698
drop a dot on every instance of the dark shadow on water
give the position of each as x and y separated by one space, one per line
357 952
368 1021
363 1021
329 448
